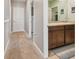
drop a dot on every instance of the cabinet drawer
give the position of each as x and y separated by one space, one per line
56 38
69 26
70 36
56 28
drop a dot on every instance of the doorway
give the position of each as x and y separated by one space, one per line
54 14
17 16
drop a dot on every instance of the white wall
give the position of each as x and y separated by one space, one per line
66 5
6 32
62 5
6 22
38 25
45 28
40 36
6 9
28 17
71 16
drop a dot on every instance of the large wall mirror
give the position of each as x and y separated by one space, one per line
61 10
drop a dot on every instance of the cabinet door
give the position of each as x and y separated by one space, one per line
56 38
51 41
70 36
59 37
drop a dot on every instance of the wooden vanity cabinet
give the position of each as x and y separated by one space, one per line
69 34
56 36
61 35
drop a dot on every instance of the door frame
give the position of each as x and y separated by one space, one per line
32 19
29 33
11 17
55 13
45 27
30 22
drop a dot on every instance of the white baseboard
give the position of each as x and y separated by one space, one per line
37 50
6 47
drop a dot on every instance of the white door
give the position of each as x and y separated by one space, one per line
18 18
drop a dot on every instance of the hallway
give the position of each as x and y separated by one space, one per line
21 47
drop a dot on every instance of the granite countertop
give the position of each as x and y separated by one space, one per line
60 23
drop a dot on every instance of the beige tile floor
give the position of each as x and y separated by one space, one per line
73 57
52 55
20 47
53 52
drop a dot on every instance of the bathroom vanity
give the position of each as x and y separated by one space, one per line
60 34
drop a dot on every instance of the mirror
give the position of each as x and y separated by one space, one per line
61 10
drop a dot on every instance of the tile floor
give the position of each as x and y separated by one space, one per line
20 47
65 52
